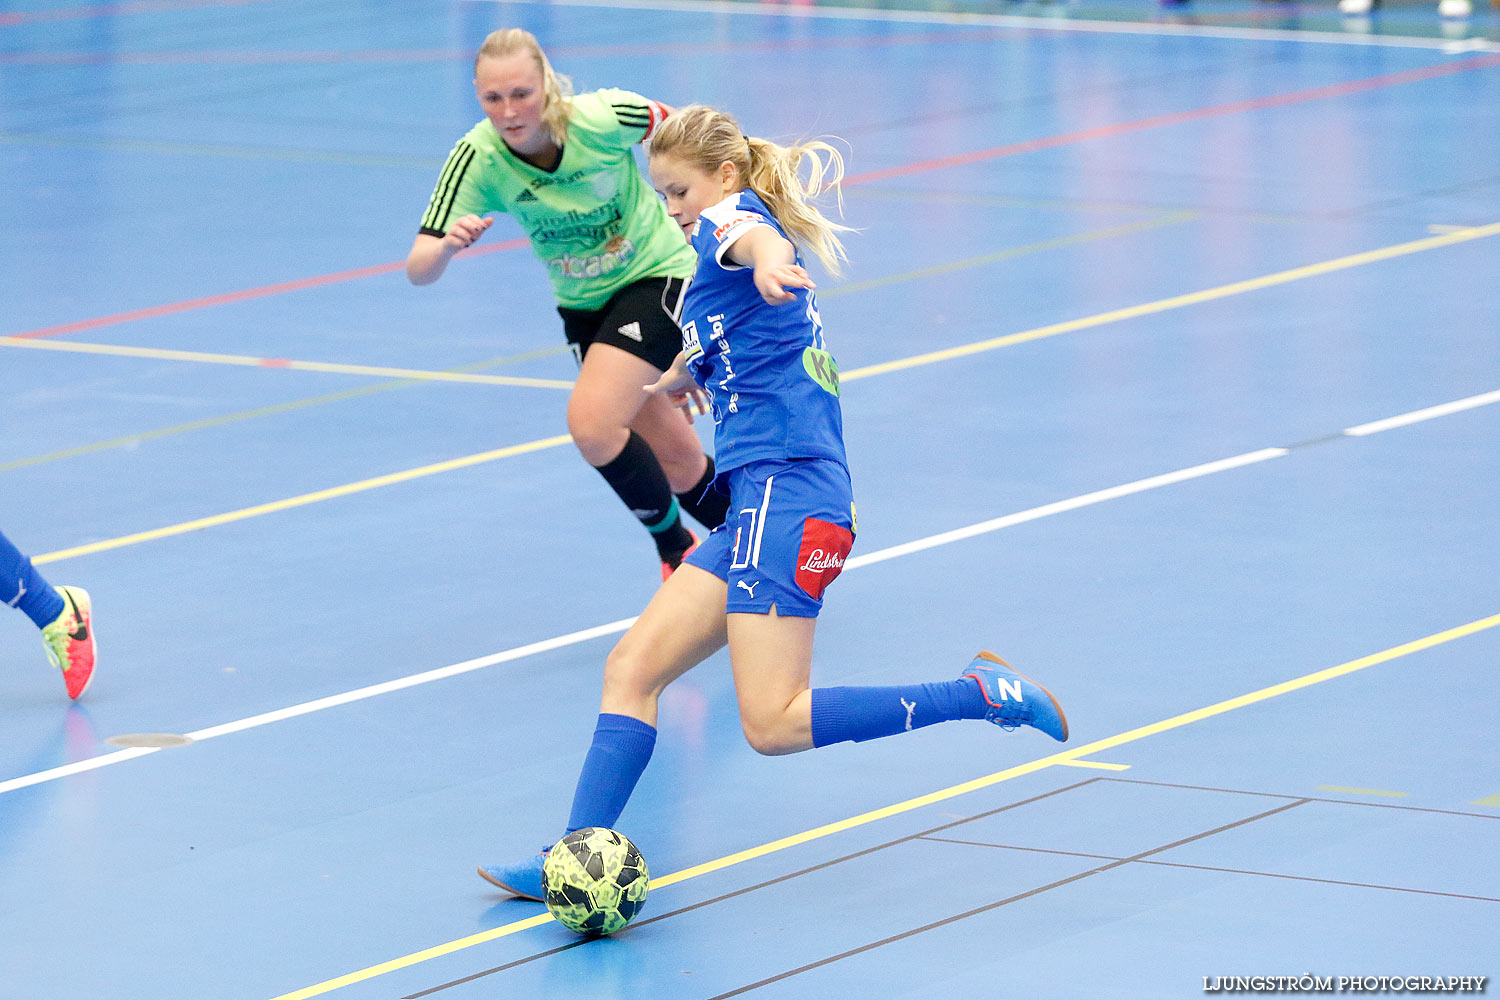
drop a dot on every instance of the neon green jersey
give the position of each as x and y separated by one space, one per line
594 221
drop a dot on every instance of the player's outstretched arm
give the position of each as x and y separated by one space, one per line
775 262
429 255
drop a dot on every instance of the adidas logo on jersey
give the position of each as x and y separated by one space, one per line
526 195
633 331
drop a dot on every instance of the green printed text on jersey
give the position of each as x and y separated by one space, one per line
594 221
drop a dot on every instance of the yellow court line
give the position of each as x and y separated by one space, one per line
1345 790
1097 765
1073 204
248 361
205 149
264 411
1179 301
1281 277
458 375
1065 757
1011 253
303 500
1170 218
932 357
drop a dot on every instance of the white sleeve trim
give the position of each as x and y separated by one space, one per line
658 115
731 222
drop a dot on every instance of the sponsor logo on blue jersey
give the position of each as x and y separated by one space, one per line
772 384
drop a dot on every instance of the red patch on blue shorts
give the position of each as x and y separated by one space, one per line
821 559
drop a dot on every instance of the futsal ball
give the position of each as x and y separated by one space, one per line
594 881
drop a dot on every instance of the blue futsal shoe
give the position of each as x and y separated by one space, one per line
1015 700
523 879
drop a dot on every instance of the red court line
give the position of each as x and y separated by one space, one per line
114 9
248 293
1180 117
217 56
674 49
978 156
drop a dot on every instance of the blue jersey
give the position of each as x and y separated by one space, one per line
773 386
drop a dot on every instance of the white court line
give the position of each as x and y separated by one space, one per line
1417 416
598 631
319 704
1060 506
1448 46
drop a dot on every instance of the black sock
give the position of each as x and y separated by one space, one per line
638 480
708 506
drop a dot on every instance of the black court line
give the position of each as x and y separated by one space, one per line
1112 863
1309 798
759 885
1215 868
924 834
930 834
1314 442
1007 901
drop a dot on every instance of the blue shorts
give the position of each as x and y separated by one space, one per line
790 527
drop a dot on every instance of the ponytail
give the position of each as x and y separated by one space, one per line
707 138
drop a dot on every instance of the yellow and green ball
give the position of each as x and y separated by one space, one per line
594 881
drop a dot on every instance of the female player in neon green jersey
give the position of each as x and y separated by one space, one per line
562 166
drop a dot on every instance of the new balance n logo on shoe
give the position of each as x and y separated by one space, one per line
633 331
525 195
1014 700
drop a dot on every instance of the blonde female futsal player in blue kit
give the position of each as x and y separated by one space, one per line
754 342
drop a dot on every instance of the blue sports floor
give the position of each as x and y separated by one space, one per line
1171 349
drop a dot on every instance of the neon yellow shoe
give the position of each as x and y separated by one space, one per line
70 640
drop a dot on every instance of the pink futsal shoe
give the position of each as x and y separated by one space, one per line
70 640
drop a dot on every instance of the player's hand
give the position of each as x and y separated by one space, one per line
773 280
676 383
463 233
695 400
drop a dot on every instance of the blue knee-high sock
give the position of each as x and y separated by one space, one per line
868 713
621 749
21 586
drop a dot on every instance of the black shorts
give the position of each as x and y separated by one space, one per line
639 319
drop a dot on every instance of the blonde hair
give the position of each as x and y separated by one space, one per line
556 88
706 138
